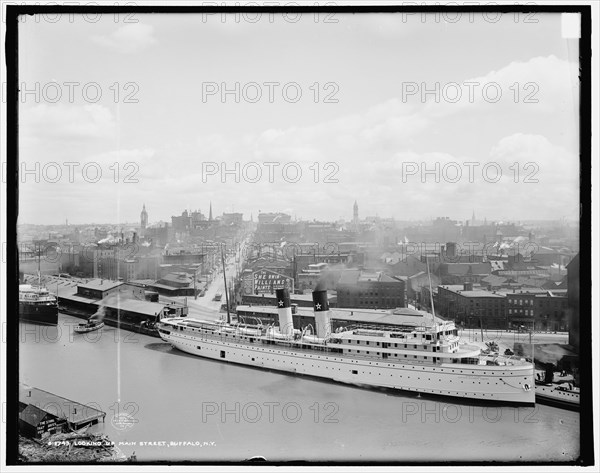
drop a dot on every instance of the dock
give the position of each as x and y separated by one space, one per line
63 411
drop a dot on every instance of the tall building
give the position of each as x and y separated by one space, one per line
210 213
144 218
355 215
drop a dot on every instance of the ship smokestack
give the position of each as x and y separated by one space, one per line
284 310
321 309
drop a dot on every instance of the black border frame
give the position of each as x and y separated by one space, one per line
586 457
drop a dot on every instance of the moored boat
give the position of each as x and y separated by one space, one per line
37 305
420 355
560 393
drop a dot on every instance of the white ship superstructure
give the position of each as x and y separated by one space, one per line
37 305
425 356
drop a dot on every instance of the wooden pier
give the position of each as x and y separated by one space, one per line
41 411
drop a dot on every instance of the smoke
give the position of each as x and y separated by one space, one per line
550 353
108 240
99 315
321 285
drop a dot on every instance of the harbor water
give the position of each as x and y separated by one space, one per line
163 404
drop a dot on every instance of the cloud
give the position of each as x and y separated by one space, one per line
541 164
369 148
128 39
65 122
540 85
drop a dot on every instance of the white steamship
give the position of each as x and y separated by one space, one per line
424 356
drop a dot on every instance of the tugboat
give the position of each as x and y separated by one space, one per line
89 326
148 328
95 322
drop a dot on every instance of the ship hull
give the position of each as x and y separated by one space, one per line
553 397
86 329
38 314
510 385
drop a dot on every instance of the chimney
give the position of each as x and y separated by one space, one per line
468 286
321 310
284 310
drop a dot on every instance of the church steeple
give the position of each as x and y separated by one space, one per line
144 218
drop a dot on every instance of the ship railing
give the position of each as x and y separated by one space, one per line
503 359
360 326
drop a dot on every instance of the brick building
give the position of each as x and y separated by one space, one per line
530 308
471 306
537 308
369 290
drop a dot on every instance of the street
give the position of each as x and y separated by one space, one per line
206 307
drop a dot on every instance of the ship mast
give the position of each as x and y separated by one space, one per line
39 255
431 295
225 281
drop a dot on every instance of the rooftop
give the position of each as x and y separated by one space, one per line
355 276
58 406
468 268
134 305
100 284
494 280
475 292
180 278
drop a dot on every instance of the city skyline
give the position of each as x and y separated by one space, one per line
347 219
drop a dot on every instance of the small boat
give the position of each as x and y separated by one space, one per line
560 392
563 395
90 326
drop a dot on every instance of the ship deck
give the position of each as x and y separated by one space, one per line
336 349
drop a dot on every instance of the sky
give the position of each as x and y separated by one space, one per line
125 111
